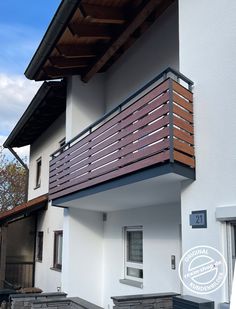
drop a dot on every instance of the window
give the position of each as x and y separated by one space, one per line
57 258
133 239
38 172
40 246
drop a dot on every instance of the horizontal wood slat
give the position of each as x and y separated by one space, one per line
182 102
182 91
180 157
183 147
178 122
135 138
181 135
183 114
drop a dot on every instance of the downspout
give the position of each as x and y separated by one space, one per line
26 169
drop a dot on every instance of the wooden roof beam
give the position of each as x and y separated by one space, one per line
121 39
97 31
62 62
103 14
59 73
76 51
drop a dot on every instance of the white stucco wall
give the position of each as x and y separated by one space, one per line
82 269
85 104
153 52
43 147
161 239
207 31
93 253
52 219
49 280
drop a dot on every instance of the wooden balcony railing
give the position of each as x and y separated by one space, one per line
157 127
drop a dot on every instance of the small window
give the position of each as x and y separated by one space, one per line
40 246
38 172
133 238
57 259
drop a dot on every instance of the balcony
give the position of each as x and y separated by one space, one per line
151 129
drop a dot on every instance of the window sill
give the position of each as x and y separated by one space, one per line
39 261
133 283
56 269
37 187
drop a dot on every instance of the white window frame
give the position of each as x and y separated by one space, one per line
127 263
57 250
38 176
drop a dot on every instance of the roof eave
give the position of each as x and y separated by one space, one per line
56 27
24 209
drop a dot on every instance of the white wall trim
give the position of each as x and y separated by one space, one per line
226 213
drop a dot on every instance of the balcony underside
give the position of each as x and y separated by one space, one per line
149 187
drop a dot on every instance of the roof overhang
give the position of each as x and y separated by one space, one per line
47 105
25 209
87 36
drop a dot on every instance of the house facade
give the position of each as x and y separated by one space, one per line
44 131
147 169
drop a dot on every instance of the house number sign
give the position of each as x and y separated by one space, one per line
198 219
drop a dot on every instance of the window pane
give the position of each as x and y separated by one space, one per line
135 246
40 246
135 272
38 173
58 249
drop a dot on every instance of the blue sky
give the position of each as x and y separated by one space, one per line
22 26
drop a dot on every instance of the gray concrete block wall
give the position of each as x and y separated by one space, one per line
149 301
19 301
50 301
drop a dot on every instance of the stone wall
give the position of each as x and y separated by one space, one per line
26 301
150 301
49 300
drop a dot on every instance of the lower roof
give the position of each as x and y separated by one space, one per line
46 106
24 209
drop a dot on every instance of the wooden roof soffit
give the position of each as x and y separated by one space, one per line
96 35
102 14
120 40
